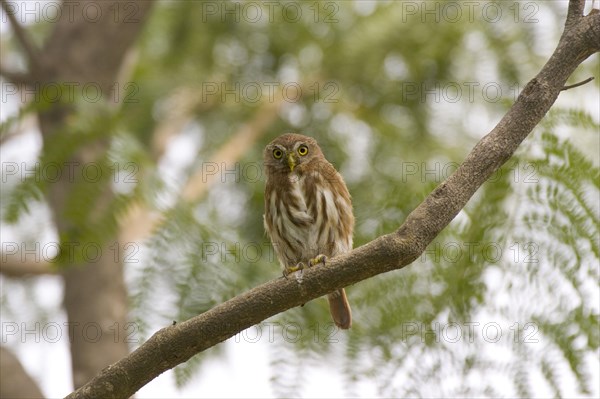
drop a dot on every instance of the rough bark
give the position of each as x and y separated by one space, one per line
175 344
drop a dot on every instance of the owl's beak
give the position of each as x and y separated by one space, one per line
291 162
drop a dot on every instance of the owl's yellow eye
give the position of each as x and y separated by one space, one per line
303 150
277 153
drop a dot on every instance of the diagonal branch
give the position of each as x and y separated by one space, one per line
176 344
32 51
574 13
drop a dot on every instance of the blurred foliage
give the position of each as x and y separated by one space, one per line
396 99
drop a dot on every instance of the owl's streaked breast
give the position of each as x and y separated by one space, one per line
303 220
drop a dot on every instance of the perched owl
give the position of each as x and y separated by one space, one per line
308 211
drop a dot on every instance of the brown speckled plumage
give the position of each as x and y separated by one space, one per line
308 210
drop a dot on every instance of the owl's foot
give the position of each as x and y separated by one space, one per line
316 260
291 269
301 266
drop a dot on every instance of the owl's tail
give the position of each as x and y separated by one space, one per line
340 309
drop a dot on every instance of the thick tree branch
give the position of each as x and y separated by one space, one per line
574 13
17 268
176 344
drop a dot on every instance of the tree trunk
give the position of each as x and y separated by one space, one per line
84 51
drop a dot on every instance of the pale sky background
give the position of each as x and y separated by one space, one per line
243 370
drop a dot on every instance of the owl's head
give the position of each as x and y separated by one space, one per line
291 152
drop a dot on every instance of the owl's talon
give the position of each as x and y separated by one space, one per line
291 269
316 260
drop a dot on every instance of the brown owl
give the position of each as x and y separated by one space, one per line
308 211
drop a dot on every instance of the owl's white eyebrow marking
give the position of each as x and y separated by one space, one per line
298 144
